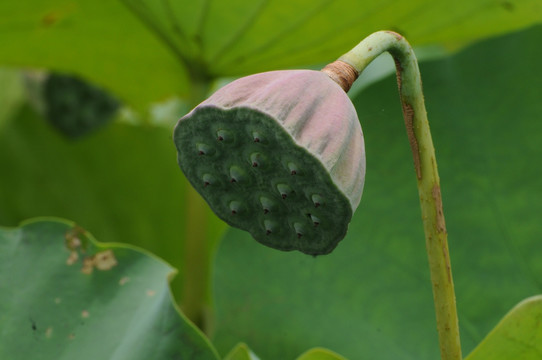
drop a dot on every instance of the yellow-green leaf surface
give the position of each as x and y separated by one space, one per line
241 352
372 296
146 50
63 296
99 40
322 354
517 336
11 94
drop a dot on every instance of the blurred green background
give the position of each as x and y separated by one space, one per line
479 62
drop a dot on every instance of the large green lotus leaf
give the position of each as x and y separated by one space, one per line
122 182
143 50
11 94
320 354
99 40
372 295
517 336
65 296
241 352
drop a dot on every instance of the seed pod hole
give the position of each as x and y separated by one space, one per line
235 207
256 136
224 136
317 200
270 226
293 168
256 159
204 149
284 190
236 174
208 179
299 229
267 204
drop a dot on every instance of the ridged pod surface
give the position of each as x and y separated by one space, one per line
279 154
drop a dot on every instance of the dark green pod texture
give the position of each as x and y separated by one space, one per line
75 107
280 155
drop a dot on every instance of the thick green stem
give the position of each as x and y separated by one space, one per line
195 294
196 262
425 164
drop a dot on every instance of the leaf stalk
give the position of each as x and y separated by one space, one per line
425 164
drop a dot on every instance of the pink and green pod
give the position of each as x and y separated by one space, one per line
279 154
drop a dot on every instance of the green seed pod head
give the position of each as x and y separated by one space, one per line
279 154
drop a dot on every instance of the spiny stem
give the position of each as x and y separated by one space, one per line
425 164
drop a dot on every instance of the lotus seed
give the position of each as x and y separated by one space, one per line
293 168
317 200
269 226
207 179
299 229
236 174
284 190
204 149
256 159
234 207
224 135
267 204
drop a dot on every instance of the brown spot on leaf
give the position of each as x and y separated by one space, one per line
75 239
508 6
150 293
124 280
49 332
85 314
54 16
50 19
88 265
104 260
72 258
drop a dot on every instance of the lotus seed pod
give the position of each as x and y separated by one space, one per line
75 107
279 154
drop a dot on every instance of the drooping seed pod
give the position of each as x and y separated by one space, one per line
279 154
